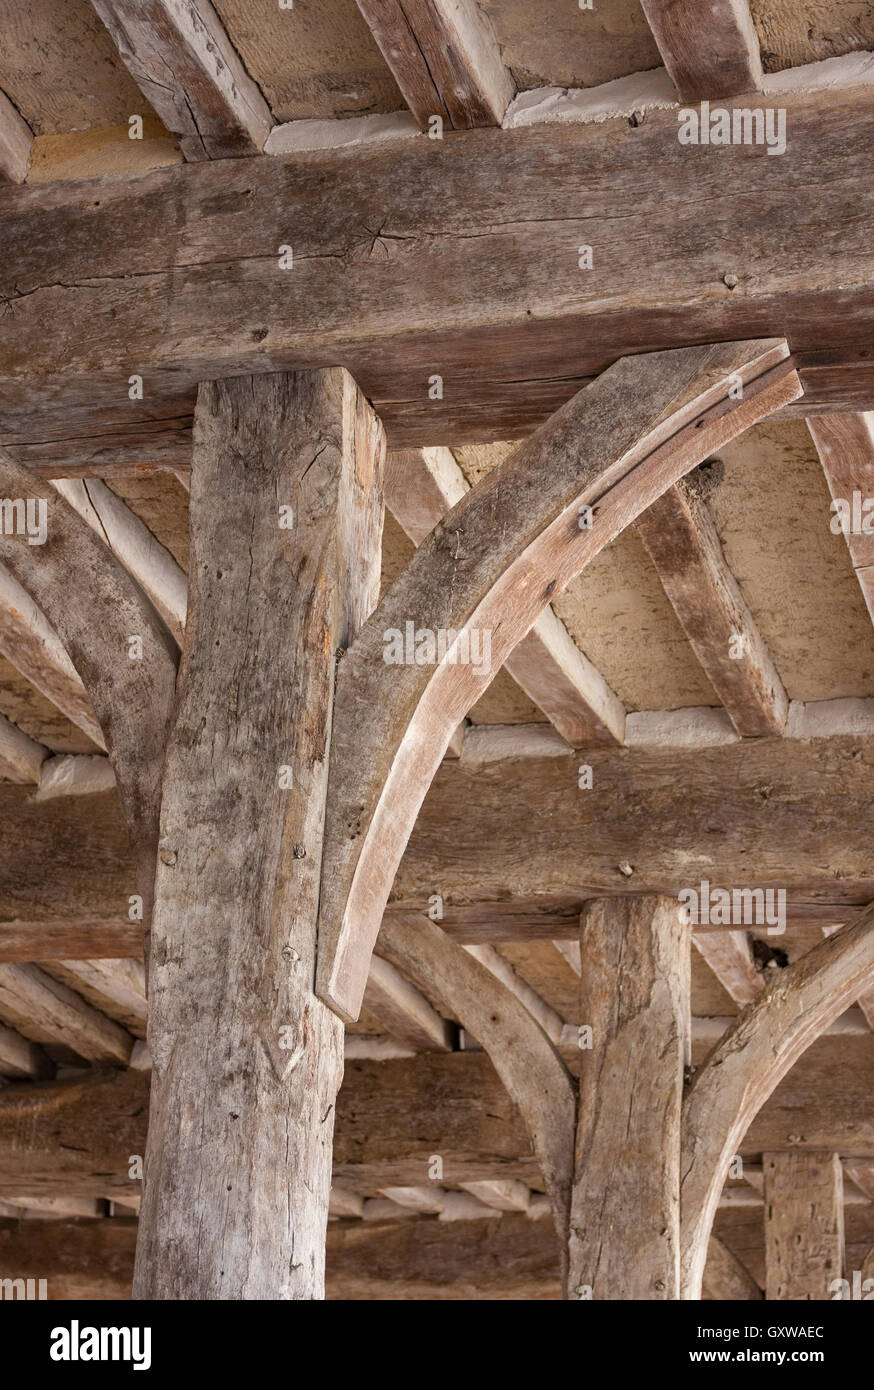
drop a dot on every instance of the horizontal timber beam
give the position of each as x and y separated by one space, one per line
75 1136
401 290
513 1258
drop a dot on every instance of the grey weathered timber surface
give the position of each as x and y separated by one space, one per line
711 53
747 1064
246 1060
845 444
117 643
445 59
684 545
181 58
76 1135
526 1061
422 485
48 1011
458 278
486 573
804 1225
634 995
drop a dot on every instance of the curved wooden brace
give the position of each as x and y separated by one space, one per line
746 1066
528 1064
96 608
491 567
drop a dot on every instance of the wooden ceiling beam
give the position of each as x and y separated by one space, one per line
445 283
515 1258
181 58
422 486
684 546
16 138
445 59
712 55
76 1135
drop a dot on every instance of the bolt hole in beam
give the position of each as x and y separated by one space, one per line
540 518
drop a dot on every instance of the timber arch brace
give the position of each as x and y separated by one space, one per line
492 566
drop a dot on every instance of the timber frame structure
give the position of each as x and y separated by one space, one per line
436 680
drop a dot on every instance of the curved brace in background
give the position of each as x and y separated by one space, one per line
491 567
95 607
533 1073
749 1063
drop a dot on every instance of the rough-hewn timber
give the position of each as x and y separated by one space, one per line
286 525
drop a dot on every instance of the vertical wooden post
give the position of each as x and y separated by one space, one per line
625 1209
804 1225
286 520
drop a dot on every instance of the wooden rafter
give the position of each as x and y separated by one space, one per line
144 558
422 485
684 545
707 55
47 1011
524 1058
445 59
746 1066
181 58
491 567
729 955
845 444
116 642
16 138
29 641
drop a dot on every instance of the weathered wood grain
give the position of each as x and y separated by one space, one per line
745 1067
404 1011
180 56
399 289
28 640
21 757
247 1061
392 1116
523 1056
684 545
845 444
515 1258
445 59
708 54
21 1059
16 138
634 995
804 1225
422 485
47 1011
143 556
487 572
117 644
730 957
